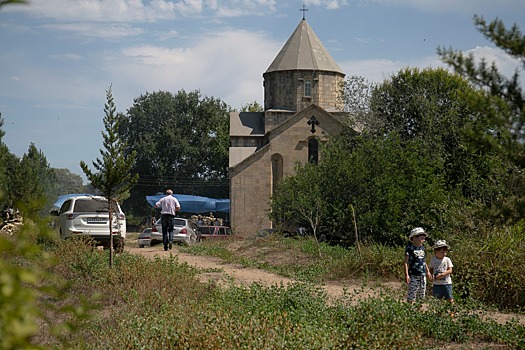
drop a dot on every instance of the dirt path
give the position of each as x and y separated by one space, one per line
221 272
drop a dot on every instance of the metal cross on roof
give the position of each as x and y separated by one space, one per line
313 122
304 9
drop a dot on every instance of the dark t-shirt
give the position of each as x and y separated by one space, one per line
416 260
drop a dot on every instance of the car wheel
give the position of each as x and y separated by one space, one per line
141 245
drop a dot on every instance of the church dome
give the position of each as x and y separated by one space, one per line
304 51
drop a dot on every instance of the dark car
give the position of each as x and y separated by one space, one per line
213 232
144 238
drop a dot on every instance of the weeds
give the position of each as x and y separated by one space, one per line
485 268
160 304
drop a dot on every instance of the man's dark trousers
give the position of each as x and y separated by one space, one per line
166 221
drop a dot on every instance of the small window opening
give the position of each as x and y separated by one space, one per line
307 88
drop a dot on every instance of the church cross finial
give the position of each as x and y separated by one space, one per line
304 9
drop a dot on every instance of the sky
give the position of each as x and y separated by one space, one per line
59 57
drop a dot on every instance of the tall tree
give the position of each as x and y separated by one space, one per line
67 182
412 167
113 178
500 99
181 142
32 179
356 95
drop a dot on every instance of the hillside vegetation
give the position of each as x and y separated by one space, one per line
141 303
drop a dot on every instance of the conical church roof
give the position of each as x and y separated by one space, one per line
304 51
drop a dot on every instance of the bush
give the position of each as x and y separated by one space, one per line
486 266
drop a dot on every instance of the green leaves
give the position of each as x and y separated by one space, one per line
181 141
415 165
113 176
500 100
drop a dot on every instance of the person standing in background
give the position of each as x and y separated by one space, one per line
169 206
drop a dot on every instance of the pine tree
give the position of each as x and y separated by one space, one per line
113 177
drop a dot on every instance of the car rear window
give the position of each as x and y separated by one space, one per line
179 222
90 205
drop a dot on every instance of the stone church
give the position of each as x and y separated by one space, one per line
301 103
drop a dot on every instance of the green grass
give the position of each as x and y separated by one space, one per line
335 263
485 268
160 304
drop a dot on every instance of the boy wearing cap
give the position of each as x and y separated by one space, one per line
416 269
441 268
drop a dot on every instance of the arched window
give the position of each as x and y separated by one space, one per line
307 88
277 169
313 150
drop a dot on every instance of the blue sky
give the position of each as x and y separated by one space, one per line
58 57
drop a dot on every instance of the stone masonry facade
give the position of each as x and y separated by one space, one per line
286 90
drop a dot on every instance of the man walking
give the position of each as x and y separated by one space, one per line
169 206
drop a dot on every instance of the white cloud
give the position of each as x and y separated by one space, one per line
71 56
96 30
187 7
506 64
142 10
373 70
215 63
377 70
467 7
168 35
329 4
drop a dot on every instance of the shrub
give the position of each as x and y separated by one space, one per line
486 268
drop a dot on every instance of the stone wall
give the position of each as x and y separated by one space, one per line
252 181
285 90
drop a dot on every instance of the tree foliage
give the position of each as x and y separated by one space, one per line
12 2
499 99
34 175
252 107
356 97
25 180
414 165
113 176
181 141
67 182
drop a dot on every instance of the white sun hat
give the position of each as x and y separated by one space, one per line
440 243
416 232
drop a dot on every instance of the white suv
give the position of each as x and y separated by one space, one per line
89 215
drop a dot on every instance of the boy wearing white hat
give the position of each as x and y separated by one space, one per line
416 269
441 268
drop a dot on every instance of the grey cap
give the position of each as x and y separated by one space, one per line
440 244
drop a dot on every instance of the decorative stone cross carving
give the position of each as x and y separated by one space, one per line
313 122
